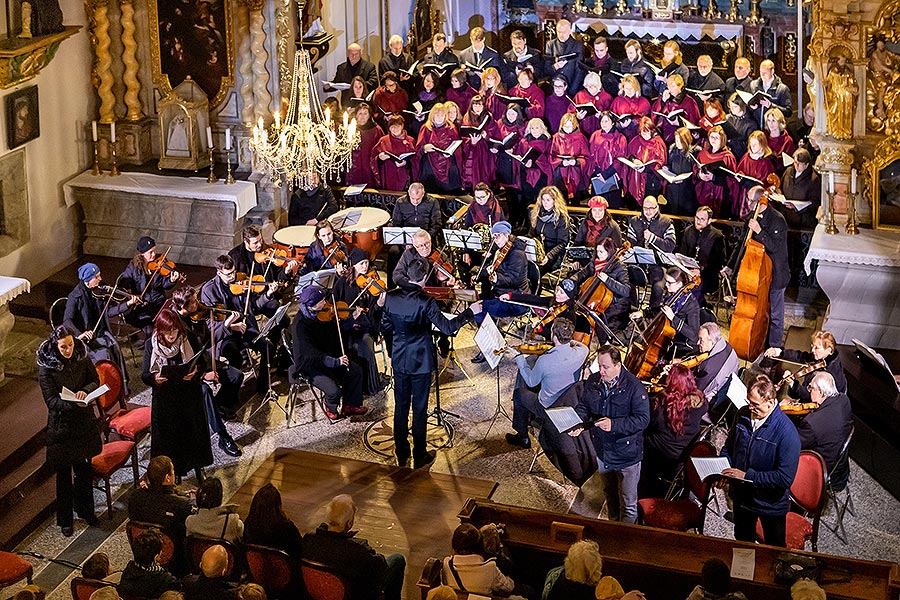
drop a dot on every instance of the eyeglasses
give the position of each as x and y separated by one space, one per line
671 282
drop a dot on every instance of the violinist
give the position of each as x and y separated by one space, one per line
550 308
360 327
148 276
233 336
88 316
612 274
705 244
441 272
484 210
826 428
223 399
417 209
650 229
597 224
713 373
318 355
326 250
822 347
680 308
769 229
244 260
550 224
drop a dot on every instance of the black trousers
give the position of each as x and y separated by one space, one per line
745 527
74 493
343 381
226 400
410 390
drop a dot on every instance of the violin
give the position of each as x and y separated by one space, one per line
370 282
335 253
548 318
801 372
656 385
447 293
105 292
242 283
798 409
161 265
499 258
444 269
204 312
343 311
535 348
272 255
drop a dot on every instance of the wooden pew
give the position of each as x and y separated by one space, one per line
663 564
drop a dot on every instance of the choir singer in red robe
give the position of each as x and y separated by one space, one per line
757 163
714 187
390 173
479 163
569 157
438 171
369 133
646 147
676 105
593 93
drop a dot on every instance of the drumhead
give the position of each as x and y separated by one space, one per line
370 218
299 236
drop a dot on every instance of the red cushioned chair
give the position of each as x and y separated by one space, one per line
14 568
271 568
82 587
114 456
808 496
681 514
135 528
128 423
321 582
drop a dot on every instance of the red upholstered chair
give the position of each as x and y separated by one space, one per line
134 530
14 568
271 568
114 456
82 587
321 582
195 546
131 424
808 496
681 514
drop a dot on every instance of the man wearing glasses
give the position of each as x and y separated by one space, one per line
764 451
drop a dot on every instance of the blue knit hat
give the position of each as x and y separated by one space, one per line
312 295
88 271
502 227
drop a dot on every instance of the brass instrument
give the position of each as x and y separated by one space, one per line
539 251
484 232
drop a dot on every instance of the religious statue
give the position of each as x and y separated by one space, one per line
841 94
882 75
26 20
40 17
177 139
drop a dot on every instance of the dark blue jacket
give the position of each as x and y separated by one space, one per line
769 456
627 405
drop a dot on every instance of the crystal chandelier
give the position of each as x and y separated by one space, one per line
307 146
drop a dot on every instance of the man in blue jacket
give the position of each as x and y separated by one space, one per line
616 408
764 450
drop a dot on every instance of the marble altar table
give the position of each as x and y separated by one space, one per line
861 276
10 287
197 219
663 29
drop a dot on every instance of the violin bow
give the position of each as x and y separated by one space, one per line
153 274
106 306
337 321
484 261
249 288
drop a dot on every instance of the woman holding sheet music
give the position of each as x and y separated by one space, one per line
535 171
590 101
73 432
607 145
673 108
569 155
778 138
369 133
740 124
460 91
390 99
630 106
438 168
530 91
491 84
758 164
682 200
714 187
801 184
479 163
392 157
422 102
649 150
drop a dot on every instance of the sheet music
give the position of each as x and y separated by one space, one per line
639 256
708 466
737 392
69 396
398 235
743 563
350 218
354 190
489 339
564 418
876 357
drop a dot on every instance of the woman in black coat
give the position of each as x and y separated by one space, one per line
614 275
550 225
680 194
801 183
178 427
73 432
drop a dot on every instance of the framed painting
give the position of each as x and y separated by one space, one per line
192 39
23 122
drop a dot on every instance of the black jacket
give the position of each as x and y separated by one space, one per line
73 431
738 130
488 55
574 67
427 215
732 84
200 587
215 292
806 187
554 235
390 62
512 66
710 83
140 582
660 226
134 279
644 74
83 311
707 247
833 366
311 205
825 430
317 349
345 73
773 236
618 283
687 319
407 318
781 98
163 507
611 230
354 560
512 274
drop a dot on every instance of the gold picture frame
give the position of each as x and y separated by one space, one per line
192 39
884 183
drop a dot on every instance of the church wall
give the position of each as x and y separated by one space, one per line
61 151
351 21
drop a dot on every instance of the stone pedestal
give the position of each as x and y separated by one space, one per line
861 276
10 287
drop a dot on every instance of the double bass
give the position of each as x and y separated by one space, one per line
749 329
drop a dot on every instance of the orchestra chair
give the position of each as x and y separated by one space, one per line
195 546
58 312
808 495
845 504
82 587
271 568
321 582
125 332
298 383
640 285
135 528
128 423
682 514
14 568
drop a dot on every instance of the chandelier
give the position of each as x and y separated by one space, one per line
307 146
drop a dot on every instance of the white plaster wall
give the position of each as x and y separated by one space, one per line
62 151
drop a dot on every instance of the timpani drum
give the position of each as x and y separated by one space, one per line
361 226
295 240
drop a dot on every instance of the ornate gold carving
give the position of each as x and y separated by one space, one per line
22 59
284 47
886 153
261 96
841 95
101 73
835 156
129 58
246 68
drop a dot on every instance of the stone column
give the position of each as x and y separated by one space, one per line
101 74
261 97
129 58
242 19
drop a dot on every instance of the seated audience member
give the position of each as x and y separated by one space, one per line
370 575
442 592
98 567
251 591
171 595
826 428
211 584
715 583
492 547
807 589
107 593
675 415
267 525
160 502
144 577
467 570
214 520
577 579
34 592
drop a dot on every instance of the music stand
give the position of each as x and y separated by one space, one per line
491 343
323 278
263 335
639 256
351 218
398 235
578 253
530 248
437 413
452 357
463 239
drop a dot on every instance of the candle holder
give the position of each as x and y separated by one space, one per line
852 223
621 7
229 178
733 12
212 163
96 168
755 17
831 229
114 170
712 11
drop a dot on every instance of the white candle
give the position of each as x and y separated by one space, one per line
255 135
831 181
209 143
112 132
228 139
346 119
277 120
853 181
328 116
94 129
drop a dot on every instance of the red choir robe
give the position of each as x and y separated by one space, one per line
508 168
495 105
479 163
361 160
554 108
630 106
571 144
667 128
780 145
722 187
462 96
606 148
390 104
760 169
541 165
388 175
706 123
535 96
440 137
602 101
643 150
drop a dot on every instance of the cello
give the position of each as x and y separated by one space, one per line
593 293
749 329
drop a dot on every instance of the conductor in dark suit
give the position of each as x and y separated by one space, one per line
826 428
408 316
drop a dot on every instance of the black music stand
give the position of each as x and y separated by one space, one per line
491 343
438 414
265 330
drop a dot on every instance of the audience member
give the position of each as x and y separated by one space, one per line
97 567
577 579
807 589
467 570
492 546
609 588
442 592
144 577
267 525
213 519
106 593
211 584
34 592
715 583
251 591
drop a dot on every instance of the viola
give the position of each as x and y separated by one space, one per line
161 265
444 269
104 292
216 312
371 282
343 311
798 408
272 255
801 372
242 283
528 348
656 385
548 318
336 253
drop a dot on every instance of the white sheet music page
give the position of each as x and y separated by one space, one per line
743 563
708 466
737 392
564 418
489 339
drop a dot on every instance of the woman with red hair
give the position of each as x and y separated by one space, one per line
675 415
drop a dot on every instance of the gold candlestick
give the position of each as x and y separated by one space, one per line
96 169
212 163
114 170
851 228
228 177
831 229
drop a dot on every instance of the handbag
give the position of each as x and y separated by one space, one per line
790 567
